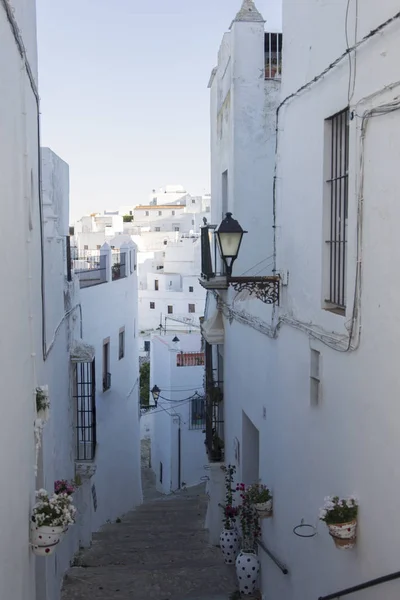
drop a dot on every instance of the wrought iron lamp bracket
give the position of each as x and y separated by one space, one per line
265 289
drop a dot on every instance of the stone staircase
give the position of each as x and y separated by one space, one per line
157 552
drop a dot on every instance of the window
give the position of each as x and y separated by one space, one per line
84 390
173 213
193 200
165 242
336 205
98 246
314 378
147 346
147 213
106 365
157 229
152 305
170 309
130 212
176 228
190 288
192 221
86 247
161 472
121 343
192 308
197 413
159 213
156 285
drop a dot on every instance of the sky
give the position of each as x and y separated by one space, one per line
124 98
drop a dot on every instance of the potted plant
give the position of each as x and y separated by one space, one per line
340 515
51 515
229 538
247 562
261 498
62 486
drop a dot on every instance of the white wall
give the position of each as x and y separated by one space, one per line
19 163
106 308
347 443
177 385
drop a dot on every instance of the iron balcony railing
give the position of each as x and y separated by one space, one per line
362 586
118 265
89 266
273 55
197 410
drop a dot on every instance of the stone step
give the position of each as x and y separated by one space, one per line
151 583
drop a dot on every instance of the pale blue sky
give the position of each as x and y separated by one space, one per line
124 92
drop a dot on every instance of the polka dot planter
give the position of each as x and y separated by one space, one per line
344 534
229 543
247 570
44 540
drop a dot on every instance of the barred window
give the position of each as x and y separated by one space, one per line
84 378
197 413
336 210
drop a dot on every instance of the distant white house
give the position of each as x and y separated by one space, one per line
178 452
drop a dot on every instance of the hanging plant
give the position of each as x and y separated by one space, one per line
50 519
340 515
42 400
261 498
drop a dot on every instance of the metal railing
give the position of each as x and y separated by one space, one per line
118 265
278 563
273 56
89 266
362 586
190 359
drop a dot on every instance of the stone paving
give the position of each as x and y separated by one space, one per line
157 552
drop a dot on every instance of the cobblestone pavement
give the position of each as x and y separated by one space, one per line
157 552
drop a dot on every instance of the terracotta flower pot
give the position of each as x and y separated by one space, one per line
264 509
344 534
229 543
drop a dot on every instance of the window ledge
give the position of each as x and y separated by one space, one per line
85 470
334 309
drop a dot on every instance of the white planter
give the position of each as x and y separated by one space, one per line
229 543
45 539
247 570
344 534
264 509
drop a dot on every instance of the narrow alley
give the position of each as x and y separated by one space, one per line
157 552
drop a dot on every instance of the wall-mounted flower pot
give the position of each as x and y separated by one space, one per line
344 534
247 570
229 543
264 509
45 539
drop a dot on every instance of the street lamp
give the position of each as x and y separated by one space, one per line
229 237
156 393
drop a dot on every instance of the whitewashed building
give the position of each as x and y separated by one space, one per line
178 454
21 304
317 415
91 372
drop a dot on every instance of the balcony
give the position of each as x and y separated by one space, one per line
89 266
190 359
273 56
118 265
